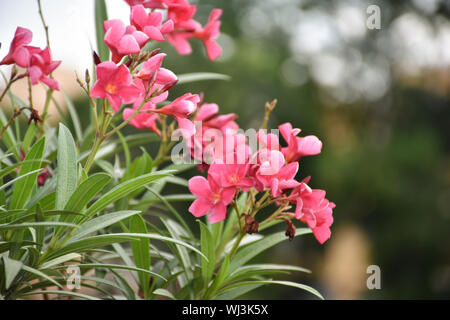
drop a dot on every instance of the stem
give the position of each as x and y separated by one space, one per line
269 108
17 113
236 245
8 85
43 23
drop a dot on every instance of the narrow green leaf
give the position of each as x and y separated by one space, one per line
208 247
59 260
201 76
41 274
108 239
35 224
141 253
67 174
284 283
74 116
101 15
247 252
86 191
24 187
60 292
12 268
101 222
124 189
165 293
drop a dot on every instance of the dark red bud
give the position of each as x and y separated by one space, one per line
155 52
96 58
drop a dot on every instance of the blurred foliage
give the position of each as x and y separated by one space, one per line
385 162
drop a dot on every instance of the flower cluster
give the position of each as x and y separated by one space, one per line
269 171
36 61
179 27
139 79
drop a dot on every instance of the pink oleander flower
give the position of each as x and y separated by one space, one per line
18 53
41 66
116 84
314 210
298 146
145 119
231 175
150 23
282 180
180 109
208 114
210 33
150 4
211 199
123 40
153 67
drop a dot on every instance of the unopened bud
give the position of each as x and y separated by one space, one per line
155 52
87 77
96 58
169 86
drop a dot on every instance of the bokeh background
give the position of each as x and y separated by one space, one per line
378 99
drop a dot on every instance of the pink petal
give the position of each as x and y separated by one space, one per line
199 187
219 213
199 208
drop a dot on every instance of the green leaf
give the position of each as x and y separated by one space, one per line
220 278
60 292
208 247
265 282
113 266
67 174
108 239
141 253
237 292
41 274
21 177
86 191
12 268
59 260
29 136
101 222
248 271
247 252
8 137
101 15
165 293
124 189
24 187
35 224
201 76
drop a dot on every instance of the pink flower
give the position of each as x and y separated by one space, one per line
210 33
115 83
152 66
41 66
150 23
180 109
18 53
123 40
314 210
144 119
282 180
231 175
151 4
211 198
298 146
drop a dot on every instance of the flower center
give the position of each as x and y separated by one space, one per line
233 178
216 197
110 88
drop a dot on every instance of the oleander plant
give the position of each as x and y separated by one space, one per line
85 213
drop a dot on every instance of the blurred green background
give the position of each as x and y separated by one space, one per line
379 101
